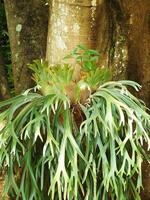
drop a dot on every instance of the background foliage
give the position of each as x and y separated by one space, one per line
5 46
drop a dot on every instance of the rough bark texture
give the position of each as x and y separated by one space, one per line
111 38
118 51
4 89
27 26
135 24
139 45
139 61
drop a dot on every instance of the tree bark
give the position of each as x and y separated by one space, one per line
139 62
137 26
4 88
139 46
129 52
71 23
27 26
117 49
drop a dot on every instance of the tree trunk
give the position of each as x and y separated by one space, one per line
27 26
117 48
139 62
137 26
129 51
4 89
139 46
71 23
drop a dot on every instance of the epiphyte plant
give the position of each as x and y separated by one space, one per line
74 138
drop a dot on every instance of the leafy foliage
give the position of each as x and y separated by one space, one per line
49 155
51 80
87 58
60 78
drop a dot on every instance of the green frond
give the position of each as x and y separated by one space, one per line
53 147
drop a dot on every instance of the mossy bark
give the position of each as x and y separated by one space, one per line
27 26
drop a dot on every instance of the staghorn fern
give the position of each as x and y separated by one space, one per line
49 155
